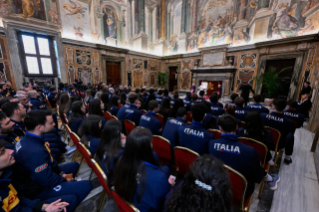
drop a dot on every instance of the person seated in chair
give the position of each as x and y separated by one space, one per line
170 131
195 137
216 107
256 106
160 96
188 101
149 120
201 96
37 104
53 97
240 112
239 156
284 125
131 112
36 174
293 114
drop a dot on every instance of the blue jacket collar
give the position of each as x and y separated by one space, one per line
230 136
276 114
179 119
257 104
34 136
197 123
151 113
239 107
132 106
5 175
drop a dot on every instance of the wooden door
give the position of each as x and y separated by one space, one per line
113 73
172 77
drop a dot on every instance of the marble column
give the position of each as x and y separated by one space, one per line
133 17
163 22
142 15
242 9
168 26
183 24
194 21
158 21
150 25
263 4
137 17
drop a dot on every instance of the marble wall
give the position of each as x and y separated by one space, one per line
5 62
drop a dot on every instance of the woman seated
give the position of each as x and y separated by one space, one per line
96 107
90 132
111 147
138 179
254 129
165 108
77 115
114 106
206 187
231 111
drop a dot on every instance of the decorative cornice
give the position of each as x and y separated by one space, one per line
212 48
142 54
291 40
112 48
72 42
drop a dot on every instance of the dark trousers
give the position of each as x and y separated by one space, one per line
78 190
288 144
246 98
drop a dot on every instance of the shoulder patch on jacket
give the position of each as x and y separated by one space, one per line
41 168
18 146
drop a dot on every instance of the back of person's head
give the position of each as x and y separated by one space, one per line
152 91
198 111
292 104
35 118
176 95
9 108
123 98
95 107
165 92
239 101
194 97
72 88
160 92
188 95
143 90
181 112
177 104
280 104
213 98
228 123
115 101
254 125
4 100
233 96
137 90
110 143
152 105
166 103
206 187
90 126
257 98
132 97
105 98
202 93
77 112
52 89
207 105
32 93
130 169
230 110
75 98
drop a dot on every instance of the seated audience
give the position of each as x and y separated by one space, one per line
177 104
64 104
160 96
240 112
239 156
114 105
255 129
165 108
170 131
12 201
96 107
138 179
88 97
207 181
292 113
11 90
232 97
90 132
175 97
230 110
37 104
130 112
6 131
105 99
36 175
53 97
188 101
149 120
195 137
277 120
111 147
216 107
166 94
256 106
305 105
77 115
201 96
209 120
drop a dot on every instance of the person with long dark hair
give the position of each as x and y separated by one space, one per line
88 96
77 115
90 132
96 107
123 98
138 179
106 101
255 129
64 104
177 104
111 147
206 187
114 106
165 108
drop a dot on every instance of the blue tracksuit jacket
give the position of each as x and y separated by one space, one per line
170 131
149 121
131 113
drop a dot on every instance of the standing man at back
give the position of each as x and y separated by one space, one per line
245 89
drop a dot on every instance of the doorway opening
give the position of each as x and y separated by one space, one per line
113 72
172 78
285 76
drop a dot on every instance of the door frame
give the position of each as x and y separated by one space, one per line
178 70
168 79
106 58
296 78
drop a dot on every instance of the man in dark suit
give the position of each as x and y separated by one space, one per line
305 105
306 88
245 89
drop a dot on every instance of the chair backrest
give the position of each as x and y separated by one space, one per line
238 185
129 126
101 176
68 130
143 111
65 119
113 118
107 115
85 153
47 101
75 138
184 157
189 116
276 135
160 118
258 146
162 147
242 124
217 134
122 205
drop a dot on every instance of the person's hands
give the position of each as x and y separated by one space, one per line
47 143
56 206
171 180
123 140
68 177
